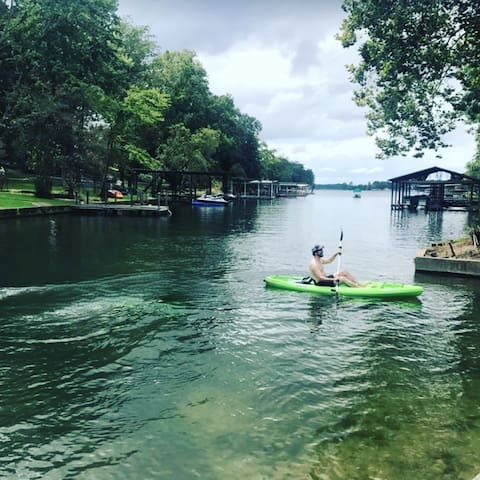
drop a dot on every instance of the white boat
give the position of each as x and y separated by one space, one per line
210 200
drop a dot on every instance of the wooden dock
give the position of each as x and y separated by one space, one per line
119 209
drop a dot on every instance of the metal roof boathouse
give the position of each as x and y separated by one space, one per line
435 189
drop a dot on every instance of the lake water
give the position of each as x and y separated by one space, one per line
149 348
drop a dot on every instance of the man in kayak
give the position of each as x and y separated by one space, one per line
318 274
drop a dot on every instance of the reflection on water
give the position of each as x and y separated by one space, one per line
150 348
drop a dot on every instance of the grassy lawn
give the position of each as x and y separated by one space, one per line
19 188
11 199
18 192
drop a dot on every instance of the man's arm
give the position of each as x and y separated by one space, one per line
330 259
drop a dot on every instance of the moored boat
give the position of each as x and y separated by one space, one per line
210 201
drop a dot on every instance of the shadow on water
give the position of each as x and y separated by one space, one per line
325 308
42 250
321 309
472 284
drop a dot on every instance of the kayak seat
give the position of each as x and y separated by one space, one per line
320 283
307 280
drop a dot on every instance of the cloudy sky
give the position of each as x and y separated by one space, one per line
282 65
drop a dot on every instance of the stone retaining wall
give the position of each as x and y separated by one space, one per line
452 266
31 211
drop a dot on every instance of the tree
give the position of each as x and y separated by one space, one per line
129 125
59 52
183 78
129 121
268 162
82 92
185 150
278 168
239 147
473 166
419 72
136 49
7 69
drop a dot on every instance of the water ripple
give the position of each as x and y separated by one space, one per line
174 361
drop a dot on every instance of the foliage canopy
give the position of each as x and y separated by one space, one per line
83 92
419 69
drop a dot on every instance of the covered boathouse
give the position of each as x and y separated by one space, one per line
435 189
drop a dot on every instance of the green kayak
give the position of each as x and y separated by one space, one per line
372 289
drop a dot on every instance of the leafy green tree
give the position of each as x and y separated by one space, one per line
183 78
419 69
57 50
246 144
268 162
473 166
136 49
83 92
239 147
130 120
187 151
128 125
7 68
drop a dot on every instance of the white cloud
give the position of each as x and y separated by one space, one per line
247 69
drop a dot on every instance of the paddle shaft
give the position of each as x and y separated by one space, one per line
339 251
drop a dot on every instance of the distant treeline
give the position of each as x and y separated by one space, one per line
350 186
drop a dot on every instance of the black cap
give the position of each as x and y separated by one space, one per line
317 250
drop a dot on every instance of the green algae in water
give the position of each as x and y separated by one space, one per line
434 442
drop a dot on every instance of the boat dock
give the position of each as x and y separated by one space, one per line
113 209
33 211
119 209
435 189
